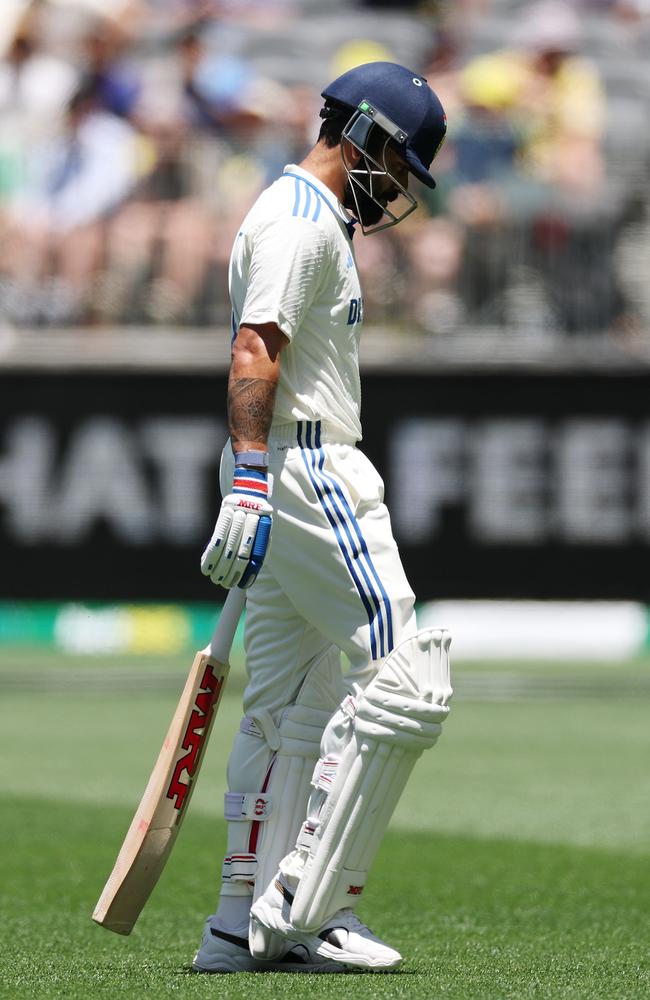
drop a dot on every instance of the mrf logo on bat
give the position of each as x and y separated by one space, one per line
194 737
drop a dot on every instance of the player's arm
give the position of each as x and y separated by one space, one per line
236 551
282 281
252 385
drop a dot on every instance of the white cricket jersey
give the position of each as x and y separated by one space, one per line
293 264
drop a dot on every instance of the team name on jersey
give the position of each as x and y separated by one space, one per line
355 311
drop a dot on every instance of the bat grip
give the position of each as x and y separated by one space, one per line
226 627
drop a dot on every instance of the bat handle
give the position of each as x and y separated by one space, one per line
226 627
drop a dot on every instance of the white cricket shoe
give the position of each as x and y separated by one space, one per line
224 951
343 938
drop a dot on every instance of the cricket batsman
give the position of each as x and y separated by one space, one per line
320 760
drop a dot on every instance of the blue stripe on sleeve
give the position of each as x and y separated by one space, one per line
309 184
311 192
307 203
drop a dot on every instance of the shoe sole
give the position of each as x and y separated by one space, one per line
306 968
234 964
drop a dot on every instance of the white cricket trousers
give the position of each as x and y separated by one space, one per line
332 576
332 582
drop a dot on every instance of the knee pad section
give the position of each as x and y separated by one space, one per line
301 729
408 700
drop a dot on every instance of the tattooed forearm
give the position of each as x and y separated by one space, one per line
250 409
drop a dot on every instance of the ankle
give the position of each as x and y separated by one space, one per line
233 911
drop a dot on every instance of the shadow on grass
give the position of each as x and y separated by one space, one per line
187 970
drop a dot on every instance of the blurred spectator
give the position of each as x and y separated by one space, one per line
55 223
33 84
213 135
561 98
434 254
159 244
124 208
484 194
551 94
212 84
115 81
528 182
486 135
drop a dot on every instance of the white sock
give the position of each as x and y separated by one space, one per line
233 912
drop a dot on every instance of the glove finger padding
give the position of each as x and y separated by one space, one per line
228 567
258 551
227 570
236 551
247 539
215 547
217 558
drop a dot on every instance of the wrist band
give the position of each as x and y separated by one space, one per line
260 458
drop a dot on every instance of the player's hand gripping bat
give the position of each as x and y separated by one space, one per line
156 823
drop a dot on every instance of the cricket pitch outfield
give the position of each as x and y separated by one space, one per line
517 864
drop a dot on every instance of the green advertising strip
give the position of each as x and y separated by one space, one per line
110 628
168 629
28 624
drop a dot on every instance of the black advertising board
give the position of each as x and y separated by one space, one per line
504 484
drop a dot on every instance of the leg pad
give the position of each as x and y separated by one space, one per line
399 715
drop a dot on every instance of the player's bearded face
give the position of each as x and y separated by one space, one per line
370 209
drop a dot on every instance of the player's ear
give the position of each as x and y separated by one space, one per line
352 155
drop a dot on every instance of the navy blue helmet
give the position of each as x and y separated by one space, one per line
401 102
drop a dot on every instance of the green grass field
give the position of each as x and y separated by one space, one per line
517 865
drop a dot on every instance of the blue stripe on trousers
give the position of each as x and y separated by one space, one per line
339 514
341 541
347 521
361 540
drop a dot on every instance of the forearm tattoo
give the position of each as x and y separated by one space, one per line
250 409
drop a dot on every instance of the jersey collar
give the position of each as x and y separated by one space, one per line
328 196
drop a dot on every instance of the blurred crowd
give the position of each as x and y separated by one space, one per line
134 134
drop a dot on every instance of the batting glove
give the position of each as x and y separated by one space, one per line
236 551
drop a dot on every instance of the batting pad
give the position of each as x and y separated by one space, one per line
399 715
263 825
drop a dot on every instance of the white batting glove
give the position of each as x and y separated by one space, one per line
236 551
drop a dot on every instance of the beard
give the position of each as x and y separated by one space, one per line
370 213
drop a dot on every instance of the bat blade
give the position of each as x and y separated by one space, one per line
163 806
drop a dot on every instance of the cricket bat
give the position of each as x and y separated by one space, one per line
158 818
